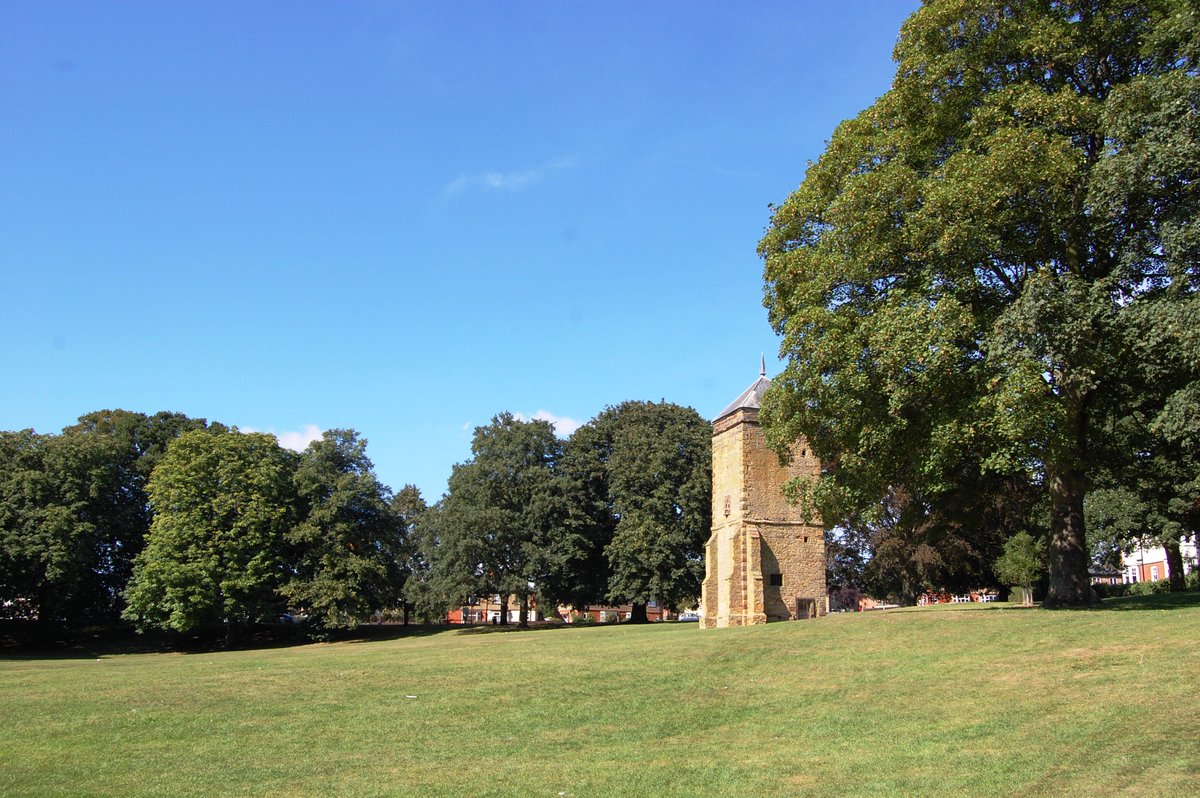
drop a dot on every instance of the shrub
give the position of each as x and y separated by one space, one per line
1022 563
846 598
1149 588
1111 591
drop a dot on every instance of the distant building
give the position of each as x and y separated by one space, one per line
1149 563
1103 575
611 613
488 609
970 597
763 561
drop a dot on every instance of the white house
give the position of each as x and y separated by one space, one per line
1149 563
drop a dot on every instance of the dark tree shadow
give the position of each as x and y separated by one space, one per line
484 629
23 640
1158 601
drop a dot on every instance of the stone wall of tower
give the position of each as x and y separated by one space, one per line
757 533
765 476
791 545
723 593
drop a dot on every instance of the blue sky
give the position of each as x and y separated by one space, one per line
404 217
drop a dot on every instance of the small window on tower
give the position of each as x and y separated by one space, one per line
776 580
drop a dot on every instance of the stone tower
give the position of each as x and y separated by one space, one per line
762 561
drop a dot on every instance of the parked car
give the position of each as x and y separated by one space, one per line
688 616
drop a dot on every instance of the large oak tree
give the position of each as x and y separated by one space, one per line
951 280
74 512
347 551
223 504
56 524
489 533
643 471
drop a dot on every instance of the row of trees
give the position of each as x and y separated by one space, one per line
987 292
175 523
244 529
74 511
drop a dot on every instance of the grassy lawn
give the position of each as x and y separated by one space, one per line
961 700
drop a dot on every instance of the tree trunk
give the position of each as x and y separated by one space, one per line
502 620
637 614
523 622
45 614
1067 553
1175 565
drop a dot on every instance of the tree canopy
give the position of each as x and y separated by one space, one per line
488 534
57 528
1021 563
347 557
645 471
216 554
176 524
74 512
954 279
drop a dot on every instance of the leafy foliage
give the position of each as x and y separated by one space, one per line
54 524
845 559
647 472
1022 563
74 512
1147 480
953 277
487 536
133 444
347 555
408 507
216 552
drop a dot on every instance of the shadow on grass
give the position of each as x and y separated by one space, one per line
483 629
20 640
23 640
1158 601
496 628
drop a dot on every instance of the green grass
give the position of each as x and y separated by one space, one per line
967 700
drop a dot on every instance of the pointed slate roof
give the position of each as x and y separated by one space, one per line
752 396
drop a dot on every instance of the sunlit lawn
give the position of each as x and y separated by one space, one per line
962 700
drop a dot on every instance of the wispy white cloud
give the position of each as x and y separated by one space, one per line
297 440
505 181
563 425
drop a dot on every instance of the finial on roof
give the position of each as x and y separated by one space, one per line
762 368
751 398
